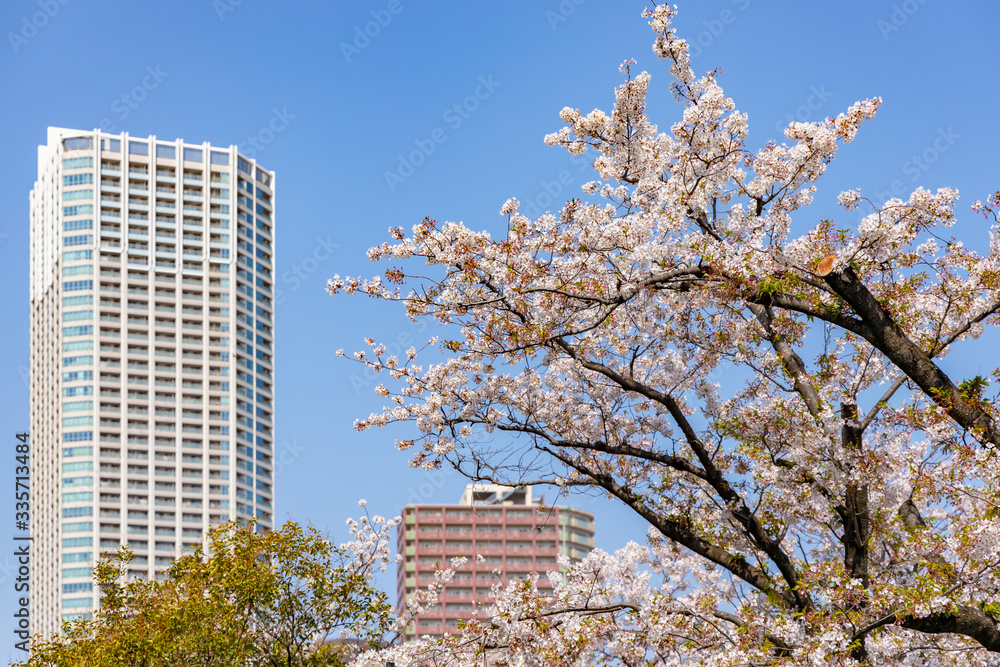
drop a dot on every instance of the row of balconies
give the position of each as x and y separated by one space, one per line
163 322
434 530
142 485
163 501
113 217
162 280
143 396
143 516
142 292
164 412
137 244
468 594
169 456
540 548
423 579
140 187
142 172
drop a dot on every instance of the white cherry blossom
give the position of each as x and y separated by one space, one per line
764 388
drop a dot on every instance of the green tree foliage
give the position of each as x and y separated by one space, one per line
249 599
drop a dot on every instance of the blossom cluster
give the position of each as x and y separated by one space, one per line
765 390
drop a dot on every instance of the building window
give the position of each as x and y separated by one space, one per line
72 542
69 302
76 285
76 225
78 179
78 143
85 270
78 255
78 162
78 194
77 603
77 572
78 527
76 558
82 239
78 391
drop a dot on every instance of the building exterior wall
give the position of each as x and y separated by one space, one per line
151 355
512 531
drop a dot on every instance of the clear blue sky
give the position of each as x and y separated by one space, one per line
352 105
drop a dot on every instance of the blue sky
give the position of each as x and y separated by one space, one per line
472 88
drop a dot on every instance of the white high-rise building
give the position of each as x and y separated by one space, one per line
151 355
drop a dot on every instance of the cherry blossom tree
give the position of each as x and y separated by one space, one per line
764 389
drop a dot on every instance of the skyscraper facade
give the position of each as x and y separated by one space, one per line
151 355
510 528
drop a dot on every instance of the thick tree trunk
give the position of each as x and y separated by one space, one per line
856 532
856 516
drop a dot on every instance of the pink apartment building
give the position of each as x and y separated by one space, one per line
510 528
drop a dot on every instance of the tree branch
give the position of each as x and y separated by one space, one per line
792 361
888 338
714 477
967 621
680 531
